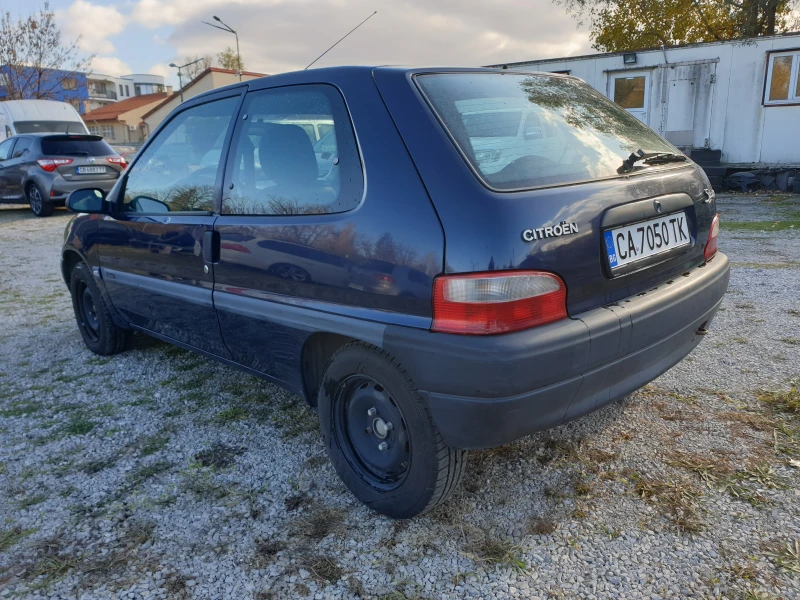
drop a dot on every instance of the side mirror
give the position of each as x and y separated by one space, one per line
88 200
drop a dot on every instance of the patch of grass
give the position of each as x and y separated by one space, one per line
316 461
265 552
154 443
231 415
792 341
786 556
9 537
504 553
540 526
787 402
202 485
320 523
745 305
138 533
708 467
794 312
21 409
95 466
780 225
676 500
294 502
145 472
79 425
218 455
33 500
293 418
324 569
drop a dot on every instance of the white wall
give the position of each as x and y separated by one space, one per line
728 111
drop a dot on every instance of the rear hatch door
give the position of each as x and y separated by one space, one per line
561 199
89 156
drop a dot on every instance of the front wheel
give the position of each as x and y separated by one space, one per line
380 436
39 206
98 330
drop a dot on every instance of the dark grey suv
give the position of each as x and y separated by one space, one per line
42 169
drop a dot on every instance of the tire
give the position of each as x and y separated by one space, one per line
290 272
36 198
98 330
416 471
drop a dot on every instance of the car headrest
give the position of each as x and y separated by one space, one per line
286 154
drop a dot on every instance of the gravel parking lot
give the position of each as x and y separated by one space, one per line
157 473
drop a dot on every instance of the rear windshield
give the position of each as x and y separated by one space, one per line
76 146
523 131
49 127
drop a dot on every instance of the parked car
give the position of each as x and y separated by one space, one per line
525 297
39 116
42 169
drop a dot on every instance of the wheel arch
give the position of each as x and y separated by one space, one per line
70 258
316 354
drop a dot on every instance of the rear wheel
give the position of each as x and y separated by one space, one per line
380 436
98 330
39 206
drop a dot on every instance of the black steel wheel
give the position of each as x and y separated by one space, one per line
95 323
380 436
371 432
39 206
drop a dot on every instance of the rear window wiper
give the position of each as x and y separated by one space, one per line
649 158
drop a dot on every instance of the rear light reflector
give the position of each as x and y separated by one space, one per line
384 277
117 160
711 244
492 303
51 164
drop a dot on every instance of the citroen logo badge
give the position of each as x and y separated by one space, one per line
657 206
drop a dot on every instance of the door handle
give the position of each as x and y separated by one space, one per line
211 246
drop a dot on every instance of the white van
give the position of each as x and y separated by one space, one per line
39 116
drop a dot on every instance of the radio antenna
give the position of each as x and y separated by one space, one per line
348 33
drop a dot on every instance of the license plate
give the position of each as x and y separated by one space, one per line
632 243
90 170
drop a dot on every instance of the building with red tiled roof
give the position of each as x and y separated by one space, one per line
210 79
120 122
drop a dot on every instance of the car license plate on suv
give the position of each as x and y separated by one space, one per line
90 170
632 243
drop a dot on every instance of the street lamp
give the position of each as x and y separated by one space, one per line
229 29
180 80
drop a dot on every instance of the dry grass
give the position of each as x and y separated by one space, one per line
320 523
708 467
323 568
675 500
219 456
504 553
786 556
786 402
540 526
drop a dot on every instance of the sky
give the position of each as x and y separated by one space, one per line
145 36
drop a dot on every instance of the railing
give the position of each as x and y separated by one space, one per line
109 94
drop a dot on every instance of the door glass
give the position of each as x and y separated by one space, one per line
629 92
5 148
178 171
22 145
276 169
781 73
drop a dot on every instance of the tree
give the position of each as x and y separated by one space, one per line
35 63
228 59
618 25
194 70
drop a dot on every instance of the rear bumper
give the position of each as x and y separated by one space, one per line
488 391
60 188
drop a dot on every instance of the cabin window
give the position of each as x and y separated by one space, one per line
783 83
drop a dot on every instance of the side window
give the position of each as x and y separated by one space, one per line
275 167
23 144
5 148
178 171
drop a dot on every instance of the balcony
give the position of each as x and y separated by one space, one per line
102 94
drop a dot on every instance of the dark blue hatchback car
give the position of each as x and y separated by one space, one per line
437 259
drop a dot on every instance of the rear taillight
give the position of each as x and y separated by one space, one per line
117 160
490 303
711 244
51 164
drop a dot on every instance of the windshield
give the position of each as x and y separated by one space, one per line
49 127
522 131
76 146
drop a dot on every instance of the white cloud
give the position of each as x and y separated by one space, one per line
109 65
93 23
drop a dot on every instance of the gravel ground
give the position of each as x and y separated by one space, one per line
159 474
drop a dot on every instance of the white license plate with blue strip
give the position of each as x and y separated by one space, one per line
631 243
90 170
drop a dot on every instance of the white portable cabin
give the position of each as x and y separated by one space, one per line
39 116
739 97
